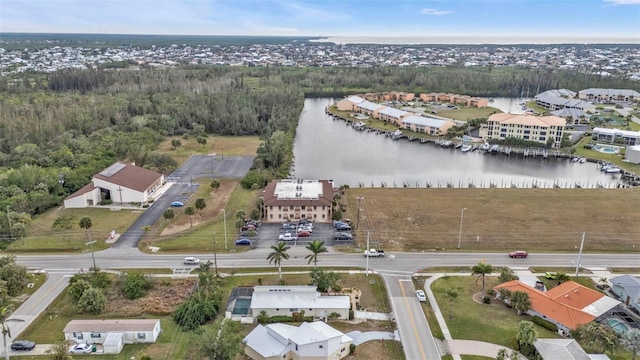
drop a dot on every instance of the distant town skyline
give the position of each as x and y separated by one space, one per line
466 21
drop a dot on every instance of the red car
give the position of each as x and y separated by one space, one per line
304 234
518 254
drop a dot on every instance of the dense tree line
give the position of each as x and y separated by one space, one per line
58 129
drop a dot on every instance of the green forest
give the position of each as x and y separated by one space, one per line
58 129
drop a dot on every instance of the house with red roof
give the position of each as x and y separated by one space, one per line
122 183
567 305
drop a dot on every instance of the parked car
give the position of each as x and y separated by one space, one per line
243 242
81 349
248 233
305 228
343 236
551 275
25 345
343 227
190 260
518 254
422 297
177 204
304 233
287 237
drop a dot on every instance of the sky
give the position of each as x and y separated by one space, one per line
567 19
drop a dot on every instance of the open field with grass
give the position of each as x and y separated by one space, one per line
536 220
219 145
467 113
42 237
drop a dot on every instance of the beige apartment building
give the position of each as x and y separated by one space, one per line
465 100
542 129
293 200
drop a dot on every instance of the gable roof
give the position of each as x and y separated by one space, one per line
560 349
110 325
562 313
83 190
355 99
129 176
294 297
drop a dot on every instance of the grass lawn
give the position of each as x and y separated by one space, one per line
468 113
493 323
42 237
612 158
536 220
219 145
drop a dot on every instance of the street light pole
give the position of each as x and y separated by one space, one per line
215 256
224 220
10 226
580 254
90 245
359 198
460 232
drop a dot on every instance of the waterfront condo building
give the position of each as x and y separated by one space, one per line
542 129
293 200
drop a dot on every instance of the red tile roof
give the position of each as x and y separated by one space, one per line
554 305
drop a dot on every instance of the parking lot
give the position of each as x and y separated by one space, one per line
267 235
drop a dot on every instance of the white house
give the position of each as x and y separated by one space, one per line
286 300
113 333
121 183
315 340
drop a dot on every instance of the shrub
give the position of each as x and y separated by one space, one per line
486 300
352 348
351 313
280 318
544 323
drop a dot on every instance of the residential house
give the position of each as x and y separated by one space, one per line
113 334
541 129
609 95
627 289
292 200
121 183
465 100
312 341
573 116
402 96
567 305
426 125
616 136
562 99
286 300
349 104
563 349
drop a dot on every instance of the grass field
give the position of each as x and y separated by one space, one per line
219 145
468 113
536 220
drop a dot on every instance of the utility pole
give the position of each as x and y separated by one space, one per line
215 257
359 198
580 253
10 226
90 245
460 232
367 274
224 220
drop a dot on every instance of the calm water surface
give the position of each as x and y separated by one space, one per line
330 149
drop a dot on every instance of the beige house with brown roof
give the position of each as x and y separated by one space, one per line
121 183
542 129
293 200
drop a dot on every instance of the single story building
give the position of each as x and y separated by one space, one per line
113 334
314 341
121 183
292 200
286 300
561 349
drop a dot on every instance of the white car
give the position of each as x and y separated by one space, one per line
421 296
81 349
287 237
190 260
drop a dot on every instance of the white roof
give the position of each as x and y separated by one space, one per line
294 189
393 112
295 297
368 105
424 121
610 92
263 343
601 306
355 99
617 132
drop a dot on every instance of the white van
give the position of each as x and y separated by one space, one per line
190 260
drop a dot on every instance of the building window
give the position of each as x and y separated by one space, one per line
270 216
293 310
320 346
291 208
95 335
142 336
78 335
303 207
277 309
279 207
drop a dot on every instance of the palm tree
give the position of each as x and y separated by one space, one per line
316 247
562 277
5 312
277 255
520 301
527 335
481 269
85 223
190 211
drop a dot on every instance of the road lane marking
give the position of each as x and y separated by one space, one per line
413 323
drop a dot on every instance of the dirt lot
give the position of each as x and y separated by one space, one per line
497 219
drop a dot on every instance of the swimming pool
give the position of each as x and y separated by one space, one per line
607 149
617 325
